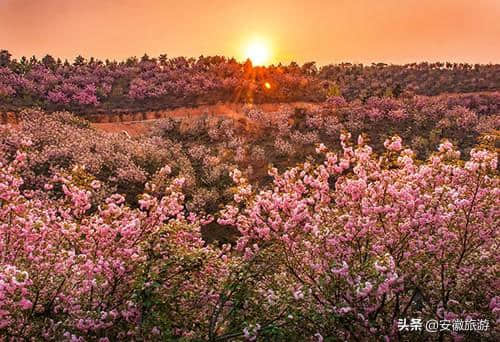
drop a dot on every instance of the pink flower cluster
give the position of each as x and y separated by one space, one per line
70 272
389 238
101 235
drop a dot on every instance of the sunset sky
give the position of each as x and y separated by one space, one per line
392 31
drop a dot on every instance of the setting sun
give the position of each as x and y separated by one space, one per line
258 52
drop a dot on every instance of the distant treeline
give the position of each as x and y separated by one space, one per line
92 85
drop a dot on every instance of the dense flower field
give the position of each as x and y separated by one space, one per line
337 248
154 83
278 226
205 149
330 220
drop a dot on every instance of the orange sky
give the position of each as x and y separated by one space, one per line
393 31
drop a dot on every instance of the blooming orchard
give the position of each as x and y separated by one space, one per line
363 239
340 247
155 83
333 220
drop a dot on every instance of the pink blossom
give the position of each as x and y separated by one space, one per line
25 304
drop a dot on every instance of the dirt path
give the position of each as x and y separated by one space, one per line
133 128
139 123
127 122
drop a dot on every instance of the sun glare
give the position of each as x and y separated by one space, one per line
258 52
